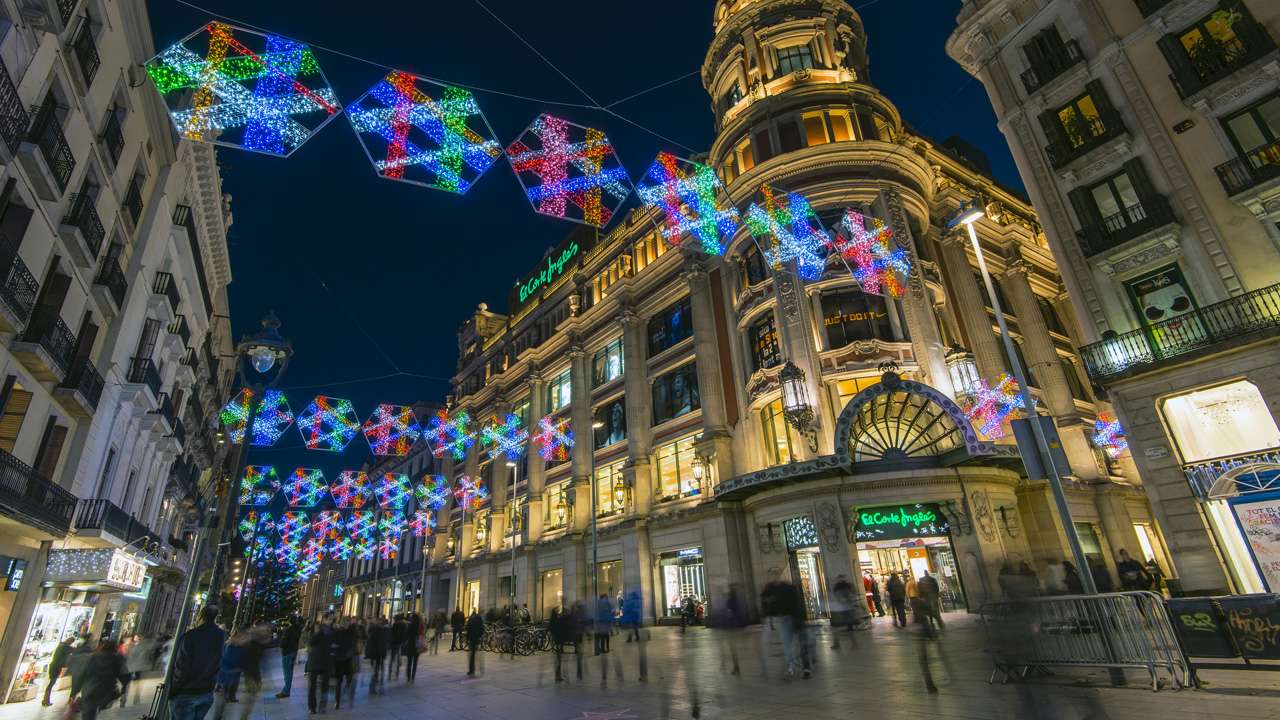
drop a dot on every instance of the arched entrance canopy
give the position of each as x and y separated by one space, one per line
1245 480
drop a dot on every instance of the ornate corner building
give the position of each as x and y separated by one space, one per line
1148 134
667 365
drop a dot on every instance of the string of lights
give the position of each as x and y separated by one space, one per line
879 265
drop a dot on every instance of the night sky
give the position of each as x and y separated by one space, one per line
346 258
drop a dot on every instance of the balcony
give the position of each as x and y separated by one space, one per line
1255 167
1203 474
113 137
112 283
1247 318
165 410
46 348
32 499
47 155
19 291
165 286
1054 64
1209 60
180 328
133 202
67 8
1083 135
1150 7
101 518
82 229
86 52
14 119
80 392
1100 235
142 371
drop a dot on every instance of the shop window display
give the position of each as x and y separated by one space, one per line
683 577
51 623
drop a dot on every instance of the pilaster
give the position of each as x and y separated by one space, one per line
639 410
971 306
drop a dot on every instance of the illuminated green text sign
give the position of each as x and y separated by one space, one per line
551 271
895 522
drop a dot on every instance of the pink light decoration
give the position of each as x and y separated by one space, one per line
989 407
259 485
422 523
325 522
393 490
470 493
554 438
351 490
1109 435
390 530
361 527
235 415
328 424
568 171
392 430
878 264
691 198
294 527
306 488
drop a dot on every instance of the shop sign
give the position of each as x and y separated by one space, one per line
689 553
552 268
106 566
125 572
1260 524
17 569
896 522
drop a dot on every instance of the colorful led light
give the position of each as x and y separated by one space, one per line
1109 435
393 490
313 549
793 230
878 264
441 144
339 547
689 195
554 439
273 417
243 97
422 523
508 439
306 488
259 485
568 171
325 523
361 526
351 490
989 407
433 492
392 430
450 435
263 528
328 424
469 493
235 415
390 530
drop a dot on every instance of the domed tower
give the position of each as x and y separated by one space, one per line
796 111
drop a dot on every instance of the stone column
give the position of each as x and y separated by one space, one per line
1044 364
537 468
639 404
793 318
580 414
498 480
715 419
971 306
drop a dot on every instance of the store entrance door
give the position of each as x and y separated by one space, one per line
910 540
807 565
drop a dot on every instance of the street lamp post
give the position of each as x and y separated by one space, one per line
596 424
967 215
796 408
512 530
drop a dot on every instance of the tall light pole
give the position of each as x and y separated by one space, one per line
512 530
967 215
596 424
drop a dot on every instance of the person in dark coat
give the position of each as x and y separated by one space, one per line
1071 578
561 628
898 599
415 641
397 633
1133 574
345 660
289 641
100 685
458 623
319 666
57 662
375 651
196 659
475 633
76 661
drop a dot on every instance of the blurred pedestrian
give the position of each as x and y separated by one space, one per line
375 651
475 634
197 656
57 663
1071 578
397 633
289 641
1133 574
102 673
561 628
732 618
603 623
632 615
319 667
229 670
458 623
346 658
415 642
255 644
897 599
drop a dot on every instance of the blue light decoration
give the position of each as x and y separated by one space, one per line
988 407
272 419
338 590
422 523
307 568
879 265
259 485
393 490
433 492
692 200
450 435
361 526
339 546
325 524
390 530
328 424
306 488
470 493
250 90
313 549
568 171
508 439
392 430
235 415
793 230
1109 435
351 490
258 549
443 144
554 438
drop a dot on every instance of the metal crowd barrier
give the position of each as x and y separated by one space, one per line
1117 631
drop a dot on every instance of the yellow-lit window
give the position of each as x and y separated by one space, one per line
841 128
648 249
728 171
846 389
746 157
1080 120
481 532
675 470
815 129
555 506
611 489
779 438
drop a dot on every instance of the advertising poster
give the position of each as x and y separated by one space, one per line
1260 523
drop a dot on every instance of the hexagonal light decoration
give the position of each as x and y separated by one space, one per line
697 211
248 90
306 488
418 131
569 171
272 419
328 424
392 430
351 490
259 485
393 491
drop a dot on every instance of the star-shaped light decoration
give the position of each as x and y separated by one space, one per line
273 417
393 491
988 407
392 430
469 493
306 488
878 264
1109 435
259 485
690 196
390 529
508 438
793 232
235 415
328 424
351 490
554 438
433 492
422 523
450 435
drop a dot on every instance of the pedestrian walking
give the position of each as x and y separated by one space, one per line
632 615
457 623
603 623
415 642
784 605
57 663
229 670
197 657
438 624
688 611
255 645
137 660
375 651
475 633
1071 578
319 667
561 628
731 619
76 663
897 599
289 653
873 587
346 658
1133 574
930 601
397 634
102 674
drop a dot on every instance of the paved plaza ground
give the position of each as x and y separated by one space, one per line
878 679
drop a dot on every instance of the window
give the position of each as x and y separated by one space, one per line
559 392
556 506
746 157
133 197
676 393
754 263
1080 120
616 270
1254 132
147 340
846 389
763 336
789 136
611 489
108 468
670 327
1032 378
606 365
1212 44
732 97
675 469
16 401
126 500
1090 543
647 250
850 315
1069 369
791 59
1051 319
614 416
1230 419
841 128
779 437
815 129
764 147
1113 196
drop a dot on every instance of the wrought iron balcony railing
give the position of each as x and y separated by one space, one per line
53 335
46 133
1210 59
1054 64
180 328
84 216
113 136
20 288
143 371
14 119
165 285
1238 319
85 379
1084 134
1253 168
31 498
86 52
1102 234
112 278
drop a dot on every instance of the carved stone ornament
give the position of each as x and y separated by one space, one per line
1098 161
1158 247
829 526
985 519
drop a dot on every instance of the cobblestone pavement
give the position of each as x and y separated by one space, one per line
877 677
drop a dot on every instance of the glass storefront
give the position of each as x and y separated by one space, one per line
552 591
609 578
471 602
51 623
909 539
683 574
